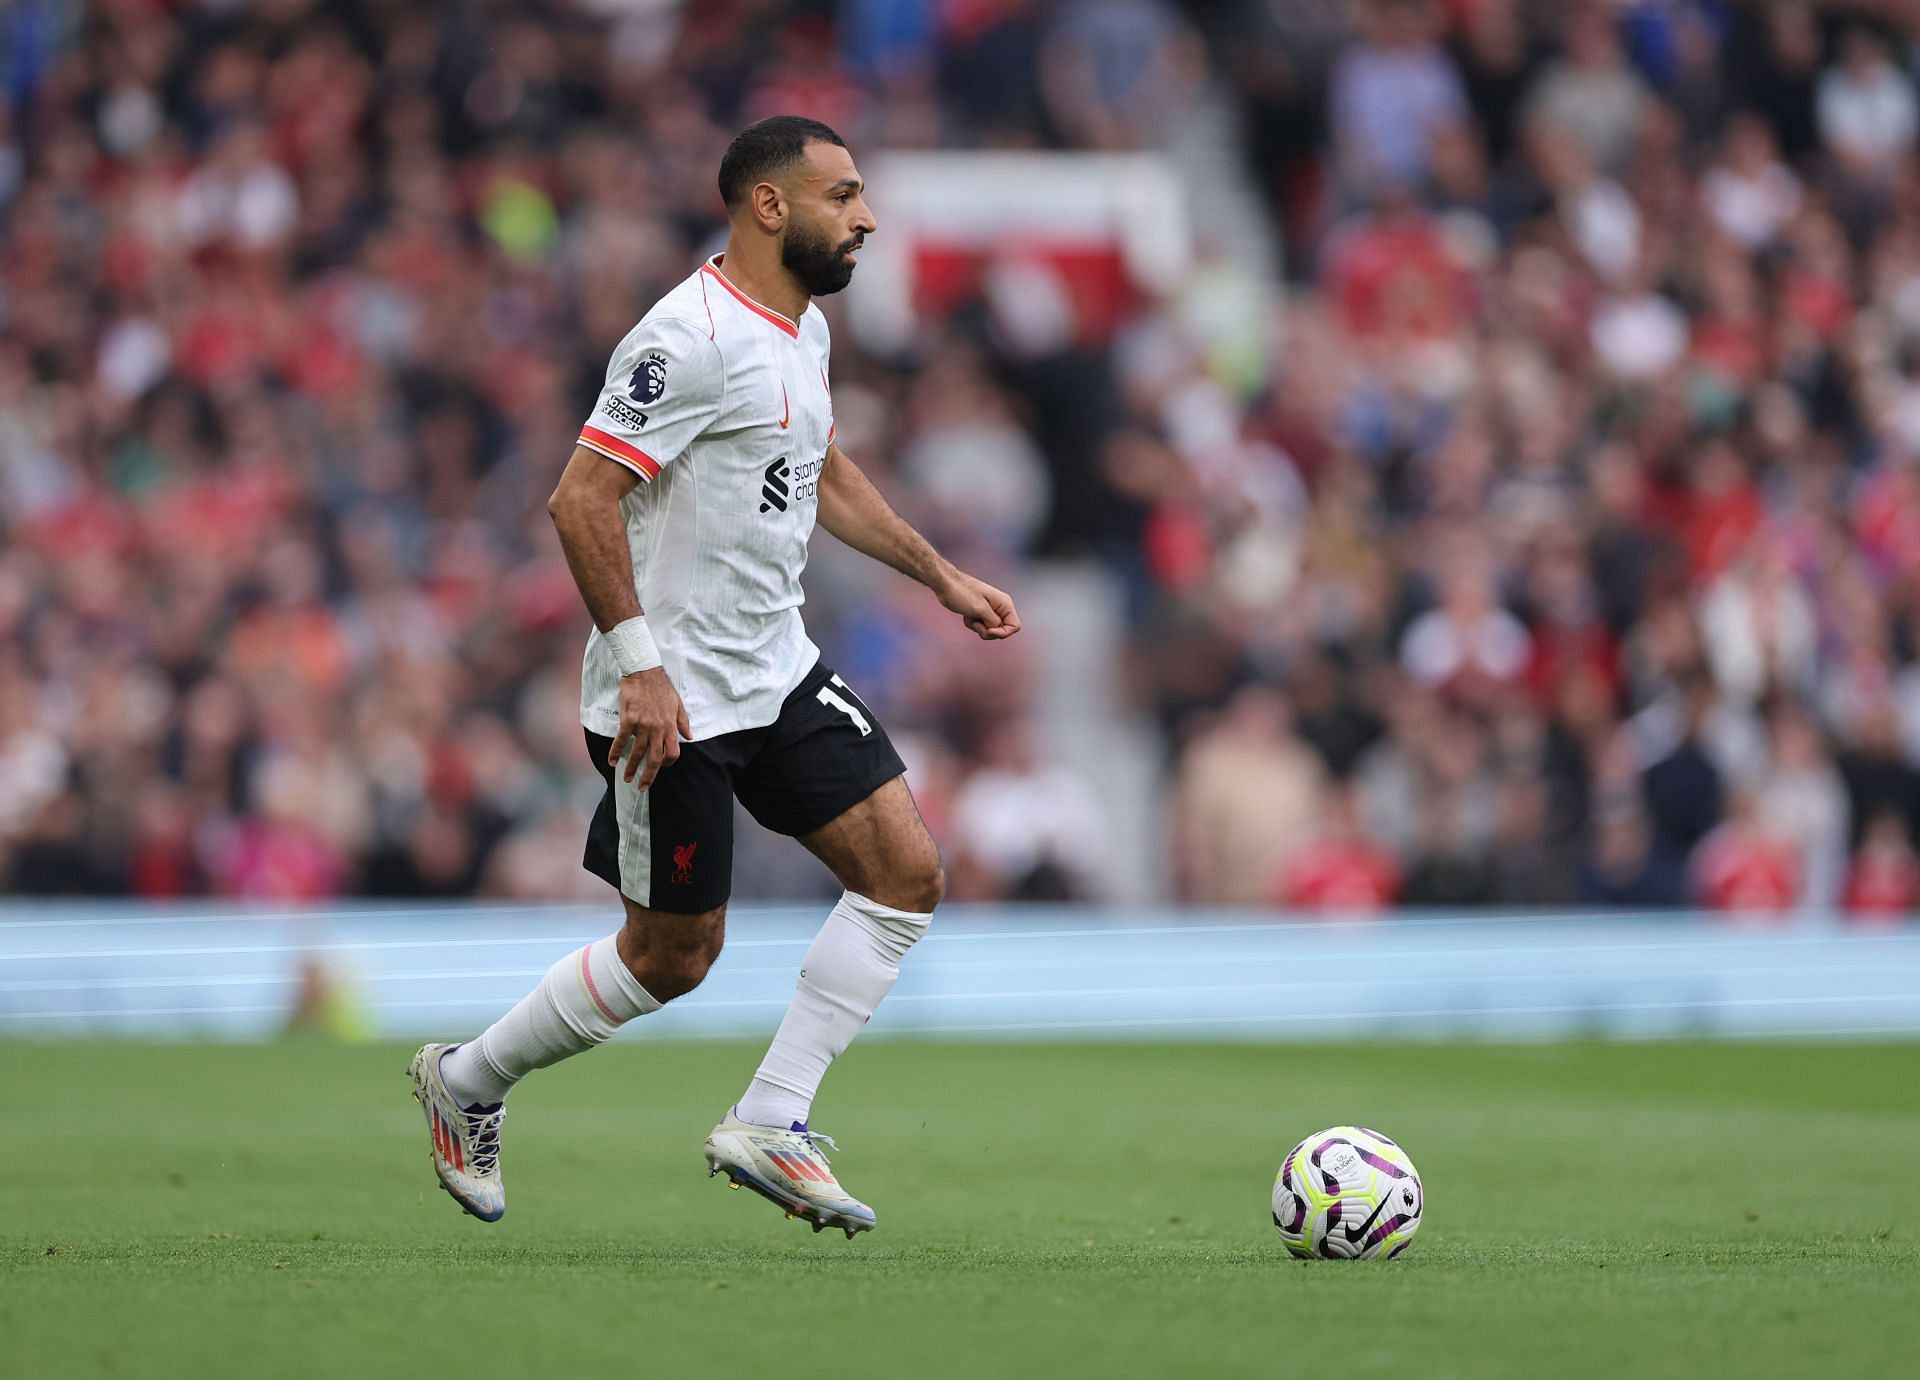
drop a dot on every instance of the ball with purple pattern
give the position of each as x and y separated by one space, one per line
1347 1194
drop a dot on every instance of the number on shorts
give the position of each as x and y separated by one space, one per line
833 700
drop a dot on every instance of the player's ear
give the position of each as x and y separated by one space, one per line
769 205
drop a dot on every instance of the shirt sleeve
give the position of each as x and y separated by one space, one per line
826 356
663 388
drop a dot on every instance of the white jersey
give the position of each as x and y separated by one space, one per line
721 405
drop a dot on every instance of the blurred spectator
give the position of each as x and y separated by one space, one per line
1527 864
1117 72
1882 880
1638 333
1774 59
1802 798
1750 193
983 481
1450 868
1495 55
1332 718
1599 215
1758 625
1745 867
1395 91
1683 794
1866 109
1591 94
1468 645
1249 791
161 862
1023 830
1880 781
1391 271
1279 59
1622 868
1338 868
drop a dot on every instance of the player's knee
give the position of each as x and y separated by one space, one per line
918 886
933 885
670 956
668 973
668 977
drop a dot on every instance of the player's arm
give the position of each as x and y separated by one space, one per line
853 511
585 508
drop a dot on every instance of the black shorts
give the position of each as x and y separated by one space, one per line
671 847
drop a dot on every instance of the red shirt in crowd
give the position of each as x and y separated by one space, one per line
1881 882
1395 276
1741 870
1350 875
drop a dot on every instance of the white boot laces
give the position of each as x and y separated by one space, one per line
484 1137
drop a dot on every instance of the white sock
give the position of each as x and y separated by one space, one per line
850 966
580 1003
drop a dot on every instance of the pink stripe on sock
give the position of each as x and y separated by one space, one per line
586 978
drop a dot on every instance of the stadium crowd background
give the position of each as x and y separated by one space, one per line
1547 534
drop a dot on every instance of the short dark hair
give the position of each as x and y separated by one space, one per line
766 147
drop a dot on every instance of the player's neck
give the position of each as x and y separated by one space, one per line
765 280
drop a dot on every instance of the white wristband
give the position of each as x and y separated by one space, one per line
632 646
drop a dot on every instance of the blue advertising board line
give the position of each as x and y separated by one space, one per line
113 969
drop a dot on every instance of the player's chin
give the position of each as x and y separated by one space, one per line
836 281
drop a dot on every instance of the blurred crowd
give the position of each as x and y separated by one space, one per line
1547 535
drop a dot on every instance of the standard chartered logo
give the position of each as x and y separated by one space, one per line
782 484
774 491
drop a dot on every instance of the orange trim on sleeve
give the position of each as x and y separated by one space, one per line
593 438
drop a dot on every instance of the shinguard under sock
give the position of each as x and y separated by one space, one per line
848 969
580 1003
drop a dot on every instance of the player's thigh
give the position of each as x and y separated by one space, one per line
881 848
667 849
827 774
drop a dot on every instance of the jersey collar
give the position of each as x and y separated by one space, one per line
712 266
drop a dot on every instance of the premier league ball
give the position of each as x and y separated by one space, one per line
1347 1194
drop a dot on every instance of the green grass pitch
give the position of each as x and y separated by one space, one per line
1070 1210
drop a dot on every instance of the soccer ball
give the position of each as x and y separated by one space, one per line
1347 1194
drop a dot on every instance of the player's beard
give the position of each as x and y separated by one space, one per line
815 261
